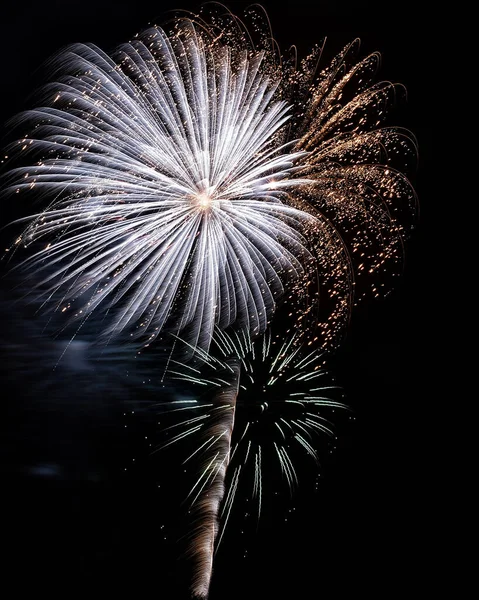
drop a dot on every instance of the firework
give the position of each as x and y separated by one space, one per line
284 397
199 182
193 175
168 186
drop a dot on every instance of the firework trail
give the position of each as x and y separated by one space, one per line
208 491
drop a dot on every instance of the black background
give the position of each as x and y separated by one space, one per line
366 530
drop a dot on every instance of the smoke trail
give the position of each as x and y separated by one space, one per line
209 490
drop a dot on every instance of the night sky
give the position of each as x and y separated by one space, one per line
80 512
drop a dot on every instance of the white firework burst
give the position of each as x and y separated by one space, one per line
169 180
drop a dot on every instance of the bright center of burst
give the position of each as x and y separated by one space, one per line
203 201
